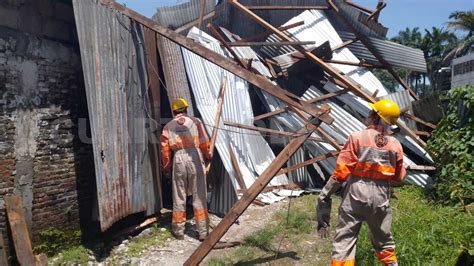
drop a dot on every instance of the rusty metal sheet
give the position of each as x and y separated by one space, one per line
116 80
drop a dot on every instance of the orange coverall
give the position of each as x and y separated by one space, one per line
185 141
369 162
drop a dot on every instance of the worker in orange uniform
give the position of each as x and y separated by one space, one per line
184 145
369 162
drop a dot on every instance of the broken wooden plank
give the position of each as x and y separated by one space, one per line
41 260
217 118
19 229
220 38
313 100
276 44
375 15
422 133
195 22
360 64
269 131
221 61
328 68
307 162
235 165
242 204
419 120
202 7
421 167
373 50
344 44
268 33
360 7
288 7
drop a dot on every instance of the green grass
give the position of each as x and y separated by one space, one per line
74 255
262 239
424 233
139 244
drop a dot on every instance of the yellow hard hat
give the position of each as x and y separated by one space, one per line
387 110
178 104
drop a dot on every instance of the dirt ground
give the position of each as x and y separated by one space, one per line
305 249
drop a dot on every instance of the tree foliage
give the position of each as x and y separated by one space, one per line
453 145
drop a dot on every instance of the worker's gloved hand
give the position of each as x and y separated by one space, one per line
323 217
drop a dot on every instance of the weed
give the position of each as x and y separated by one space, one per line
424 233
139 244
53 241
74 255
297 221
261 239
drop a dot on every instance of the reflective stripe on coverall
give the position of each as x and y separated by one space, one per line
369 161
185 139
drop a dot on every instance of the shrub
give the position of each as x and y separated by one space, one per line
452 143
53 240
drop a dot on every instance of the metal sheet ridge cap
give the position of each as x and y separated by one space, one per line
257 80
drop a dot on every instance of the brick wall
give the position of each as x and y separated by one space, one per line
43 159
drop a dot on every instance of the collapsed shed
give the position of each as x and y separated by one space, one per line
303 62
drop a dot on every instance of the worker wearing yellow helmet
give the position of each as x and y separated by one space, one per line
369 162
184 146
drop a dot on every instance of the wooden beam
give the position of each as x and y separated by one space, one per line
215 32
344 44
419 120
223 62
276 44
241 205
421 167
374 51
269 131
19 229
422 133
288 7
195 22
360 64
376 14
313 100
151 52
217 118
268 33
202 7
235 165
308 162
360 7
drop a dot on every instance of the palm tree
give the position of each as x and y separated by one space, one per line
461 21
436 45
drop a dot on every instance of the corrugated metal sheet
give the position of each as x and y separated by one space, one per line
174 72
116 82
252 151
179 15
395 54
317 28
358 19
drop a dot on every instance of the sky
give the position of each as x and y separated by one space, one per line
397 15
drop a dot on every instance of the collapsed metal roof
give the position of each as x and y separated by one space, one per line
116 74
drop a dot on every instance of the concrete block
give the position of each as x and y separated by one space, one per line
57 30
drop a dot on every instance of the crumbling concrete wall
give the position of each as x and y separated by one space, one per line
42 102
